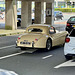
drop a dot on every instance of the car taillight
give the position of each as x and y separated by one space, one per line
36 39
18 38
68 24
67 40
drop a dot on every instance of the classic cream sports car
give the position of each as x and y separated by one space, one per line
41 36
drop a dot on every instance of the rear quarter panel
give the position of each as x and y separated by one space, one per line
41 43
63 35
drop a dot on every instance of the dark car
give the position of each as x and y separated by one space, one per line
70 24
58 15
19 10
19 19
2 9
1 15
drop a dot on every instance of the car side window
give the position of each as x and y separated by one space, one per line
52 30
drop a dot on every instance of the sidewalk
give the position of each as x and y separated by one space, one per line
57 24
4 32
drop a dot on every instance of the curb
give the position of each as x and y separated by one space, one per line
14 33
2 35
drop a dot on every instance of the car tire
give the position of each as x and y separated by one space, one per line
18 24
61 18
68 57
55 19
48 45
22 48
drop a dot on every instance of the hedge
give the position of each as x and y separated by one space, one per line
65 9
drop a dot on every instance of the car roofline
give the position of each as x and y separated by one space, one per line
72 16
39 25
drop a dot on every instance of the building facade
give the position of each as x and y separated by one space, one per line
62 3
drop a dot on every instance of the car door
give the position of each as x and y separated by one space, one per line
55 36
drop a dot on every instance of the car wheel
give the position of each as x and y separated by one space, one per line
22 48
55 19
48 45
61 18
18 24
68 57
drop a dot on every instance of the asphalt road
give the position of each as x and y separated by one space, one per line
33 61
61 24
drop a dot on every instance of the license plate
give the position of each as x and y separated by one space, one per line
27 43
73 26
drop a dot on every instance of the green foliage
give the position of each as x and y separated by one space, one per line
67 0
65 9
7 27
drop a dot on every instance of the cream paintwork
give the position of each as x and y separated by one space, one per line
57 38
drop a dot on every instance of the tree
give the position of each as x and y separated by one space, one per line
67 1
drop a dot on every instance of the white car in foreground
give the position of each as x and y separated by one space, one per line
6 72
69 48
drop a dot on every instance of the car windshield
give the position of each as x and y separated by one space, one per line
72 19
55 13
35 30
72 33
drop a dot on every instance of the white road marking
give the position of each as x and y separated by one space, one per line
46 57
66 64
15 54
7 46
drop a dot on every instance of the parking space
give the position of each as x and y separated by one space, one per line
34 61
31 62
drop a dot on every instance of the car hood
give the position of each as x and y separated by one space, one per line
31 36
